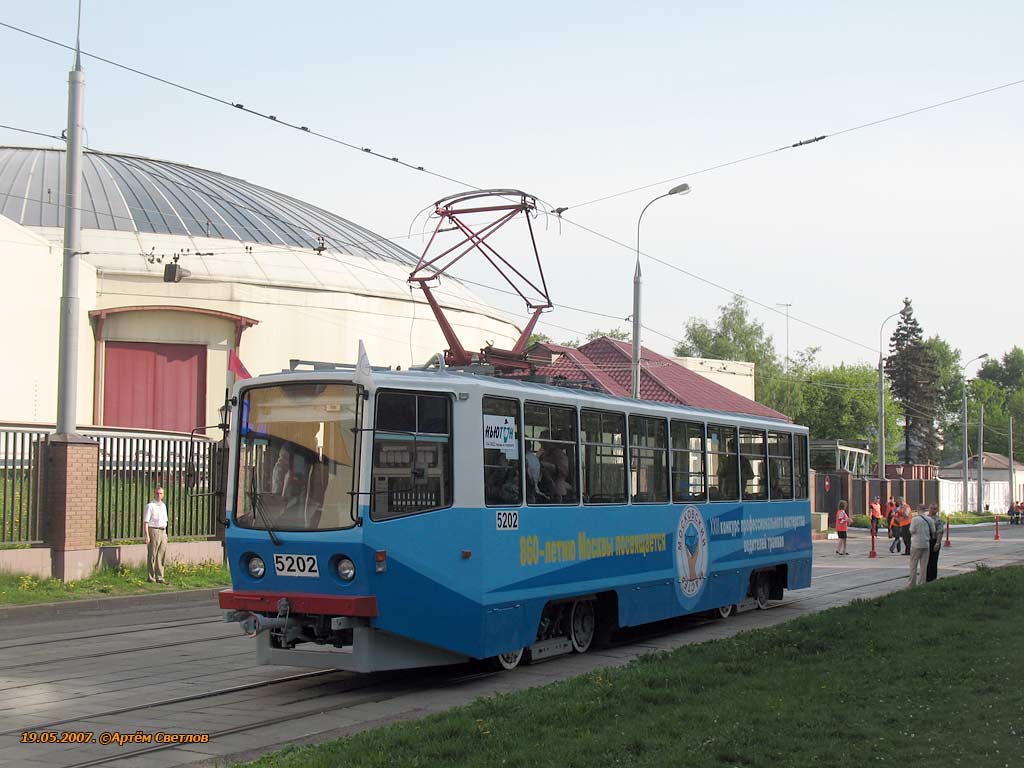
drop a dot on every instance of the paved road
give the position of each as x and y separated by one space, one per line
176 668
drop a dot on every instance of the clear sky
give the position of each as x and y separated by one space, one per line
574 100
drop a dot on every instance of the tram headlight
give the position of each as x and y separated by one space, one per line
256 567
346 569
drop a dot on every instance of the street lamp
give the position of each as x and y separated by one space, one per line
681 189
963 378
881 397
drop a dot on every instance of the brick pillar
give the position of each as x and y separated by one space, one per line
70 505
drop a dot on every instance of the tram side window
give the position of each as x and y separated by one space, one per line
687 461
604 457
503 465
780 465
648 459
723 482
800 466
412 454
552 469
753 465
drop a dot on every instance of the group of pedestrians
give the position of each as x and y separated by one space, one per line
918 537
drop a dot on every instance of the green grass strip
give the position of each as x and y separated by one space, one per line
924 677
18 589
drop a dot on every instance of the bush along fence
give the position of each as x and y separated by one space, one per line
130 464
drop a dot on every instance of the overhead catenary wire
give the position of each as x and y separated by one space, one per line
239 106
558 211
578 225
798 144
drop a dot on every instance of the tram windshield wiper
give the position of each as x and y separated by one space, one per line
255 498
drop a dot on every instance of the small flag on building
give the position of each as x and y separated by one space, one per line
236 367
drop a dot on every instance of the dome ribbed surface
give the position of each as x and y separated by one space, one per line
124 193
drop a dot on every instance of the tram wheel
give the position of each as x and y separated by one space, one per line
508 661
762 589
582 625
726 611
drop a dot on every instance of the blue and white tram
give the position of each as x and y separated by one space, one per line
424 518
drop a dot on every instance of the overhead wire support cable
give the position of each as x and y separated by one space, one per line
242 107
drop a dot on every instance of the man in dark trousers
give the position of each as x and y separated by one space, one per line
932 572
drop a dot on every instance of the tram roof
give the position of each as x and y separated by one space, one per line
456 381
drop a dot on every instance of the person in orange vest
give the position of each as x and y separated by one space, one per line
876 515
842 525
906 517
892 522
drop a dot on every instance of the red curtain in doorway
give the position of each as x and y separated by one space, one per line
154 386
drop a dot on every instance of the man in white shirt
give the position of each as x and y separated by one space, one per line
154 533
922 531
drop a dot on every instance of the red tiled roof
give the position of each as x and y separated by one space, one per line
607 363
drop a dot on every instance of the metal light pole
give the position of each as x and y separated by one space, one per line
963 378
1013 477
681 189
67 366
981 458
881 398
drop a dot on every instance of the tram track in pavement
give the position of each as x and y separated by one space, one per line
359 684
175 700
137 649
155 626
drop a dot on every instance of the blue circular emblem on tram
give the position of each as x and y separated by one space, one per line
691 556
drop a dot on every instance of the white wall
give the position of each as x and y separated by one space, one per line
735 375
30 316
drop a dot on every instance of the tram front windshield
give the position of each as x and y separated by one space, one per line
297 457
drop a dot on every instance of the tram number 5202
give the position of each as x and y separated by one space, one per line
507 520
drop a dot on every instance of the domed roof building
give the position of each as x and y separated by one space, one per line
272 279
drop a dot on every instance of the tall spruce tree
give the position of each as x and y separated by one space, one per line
913 372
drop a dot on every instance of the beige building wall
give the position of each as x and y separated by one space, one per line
731 374
30 314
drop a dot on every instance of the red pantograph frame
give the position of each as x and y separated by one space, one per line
453 209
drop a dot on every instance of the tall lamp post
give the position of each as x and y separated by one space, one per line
963 378
881 398
680 189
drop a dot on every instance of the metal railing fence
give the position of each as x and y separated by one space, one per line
131 463
130 467
20 469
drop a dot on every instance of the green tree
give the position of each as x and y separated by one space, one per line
536 338
1007 373
949 409
912 370
842 403
737 336
613 333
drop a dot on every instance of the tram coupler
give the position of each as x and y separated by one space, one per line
253 624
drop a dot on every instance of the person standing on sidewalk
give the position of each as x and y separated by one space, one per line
842 526
933 553
876 515
896 528
154 533
906 516
921 532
